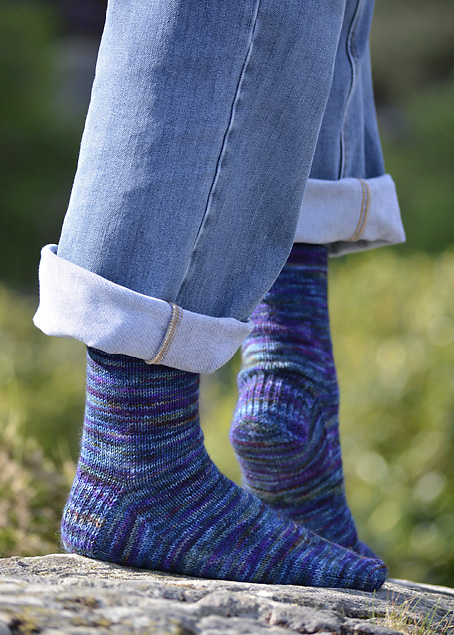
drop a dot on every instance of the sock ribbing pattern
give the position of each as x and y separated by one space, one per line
146 493
285 429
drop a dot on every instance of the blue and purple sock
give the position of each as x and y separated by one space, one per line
286 428
146 493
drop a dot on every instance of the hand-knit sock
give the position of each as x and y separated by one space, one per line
285 429
146 494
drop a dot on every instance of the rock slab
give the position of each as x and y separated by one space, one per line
65 593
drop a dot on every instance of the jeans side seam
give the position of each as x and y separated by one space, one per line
351 54
225 138
231 117
172 328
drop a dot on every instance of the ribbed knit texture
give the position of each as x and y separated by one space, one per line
146 493
286 427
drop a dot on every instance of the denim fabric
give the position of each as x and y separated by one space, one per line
348 144
75 302
197 147
198 144
363 213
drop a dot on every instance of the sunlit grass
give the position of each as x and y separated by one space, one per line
410 616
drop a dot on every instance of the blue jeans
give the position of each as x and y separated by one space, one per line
205 123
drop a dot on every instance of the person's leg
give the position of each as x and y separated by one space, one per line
146 493
194 160
285 428
197 147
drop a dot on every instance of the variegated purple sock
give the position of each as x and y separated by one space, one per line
146 493
285 429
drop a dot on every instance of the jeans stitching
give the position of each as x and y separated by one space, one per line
364 211
174 322
351 53
224 140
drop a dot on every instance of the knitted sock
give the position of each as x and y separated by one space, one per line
285 429
146 493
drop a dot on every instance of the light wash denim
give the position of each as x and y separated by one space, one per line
205 122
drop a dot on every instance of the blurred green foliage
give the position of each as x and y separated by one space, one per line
412 46
393 329
421 160
39 145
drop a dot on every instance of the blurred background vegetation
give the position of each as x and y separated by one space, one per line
392 309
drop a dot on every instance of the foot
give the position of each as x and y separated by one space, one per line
285 429
290 457
146 494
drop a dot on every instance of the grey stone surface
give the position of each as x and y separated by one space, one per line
65 593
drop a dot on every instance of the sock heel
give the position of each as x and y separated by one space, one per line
84 516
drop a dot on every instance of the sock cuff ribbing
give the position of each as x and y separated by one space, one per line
305 254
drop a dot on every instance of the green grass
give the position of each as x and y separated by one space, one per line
411 616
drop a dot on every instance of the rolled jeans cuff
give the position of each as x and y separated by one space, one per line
350 214
75 302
